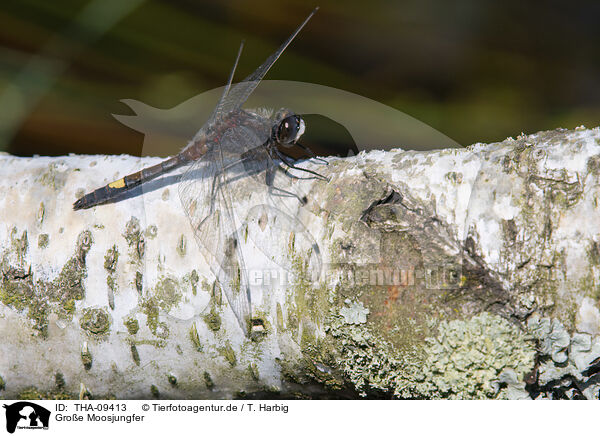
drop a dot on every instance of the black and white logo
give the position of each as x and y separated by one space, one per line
26 415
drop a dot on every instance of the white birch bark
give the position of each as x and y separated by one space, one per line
468 273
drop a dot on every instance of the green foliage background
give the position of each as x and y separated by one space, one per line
476 70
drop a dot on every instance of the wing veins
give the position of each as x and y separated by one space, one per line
238 95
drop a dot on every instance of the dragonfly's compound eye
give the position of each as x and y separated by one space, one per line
290 129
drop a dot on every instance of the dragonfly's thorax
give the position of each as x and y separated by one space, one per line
211 135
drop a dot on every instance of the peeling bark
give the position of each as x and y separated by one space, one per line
468 273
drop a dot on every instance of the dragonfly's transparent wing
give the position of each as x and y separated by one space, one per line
272 219
273 231
291 195
205 191
234 97
206 204
236 169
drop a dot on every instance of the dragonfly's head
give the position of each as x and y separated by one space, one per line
288 128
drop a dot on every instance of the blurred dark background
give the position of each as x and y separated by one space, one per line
476 70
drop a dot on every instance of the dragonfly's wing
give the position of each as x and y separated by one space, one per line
231 74
205 191
272 221
206 204
291 196
234 97
272 230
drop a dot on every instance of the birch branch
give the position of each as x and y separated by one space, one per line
468 273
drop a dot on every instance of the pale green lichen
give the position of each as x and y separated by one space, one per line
135 355
157 343
354 313
19 289
253 369
132 325
228 353
464 360
212 320
194 278
215 292
59 380
165 296
454 177
19 245
95 321
568 364
86 356
35 394
41 213
135 239
553 338
53 178
467 356
110 259
151 231
181 246
43 240
307 305
111 282
208 381
59 392
139 282
195 338
511 386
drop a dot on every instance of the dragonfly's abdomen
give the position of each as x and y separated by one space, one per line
116 188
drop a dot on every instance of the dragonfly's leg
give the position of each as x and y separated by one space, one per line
311 153
285 160
274 190
289 174
280 154
272 167
289 162
270 179
285 170
270 174
279 192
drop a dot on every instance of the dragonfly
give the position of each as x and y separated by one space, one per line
235 147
